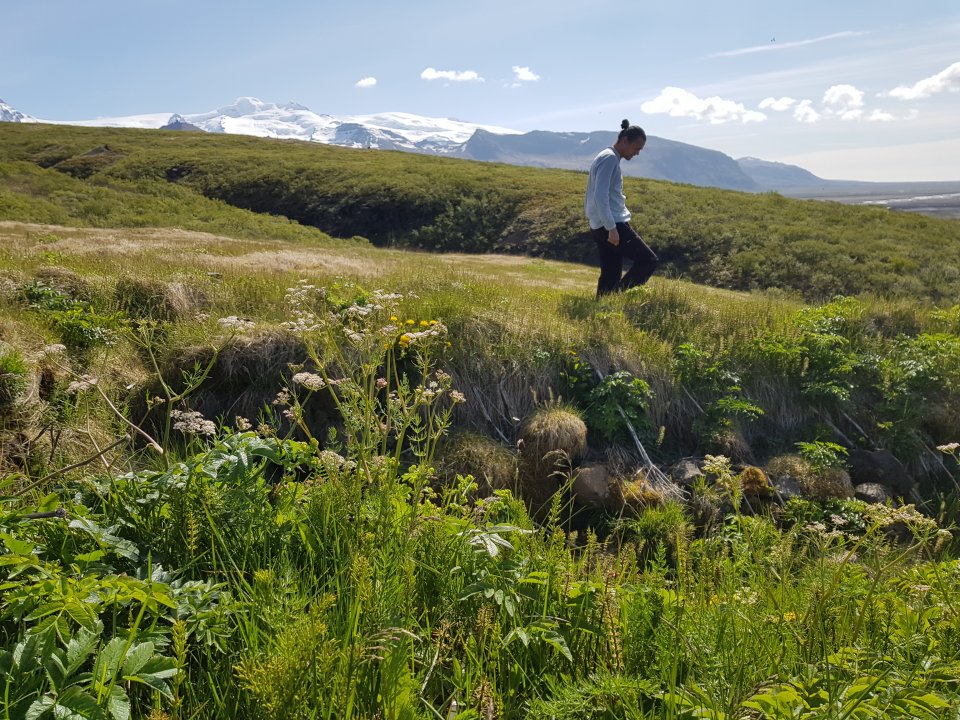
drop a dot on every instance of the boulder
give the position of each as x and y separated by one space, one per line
786 487
591 485
873 493
685 473
880 466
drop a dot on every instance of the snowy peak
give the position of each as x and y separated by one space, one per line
8 113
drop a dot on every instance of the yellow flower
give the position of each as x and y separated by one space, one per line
409 322
394 318
789 616
433 322
424 323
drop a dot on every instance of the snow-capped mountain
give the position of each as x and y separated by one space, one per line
250 116
11 114
663 159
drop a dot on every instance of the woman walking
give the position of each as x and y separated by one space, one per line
607 213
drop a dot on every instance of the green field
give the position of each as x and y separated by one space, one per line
264 457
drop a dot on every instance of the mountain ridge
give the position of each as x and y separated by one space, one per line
662 159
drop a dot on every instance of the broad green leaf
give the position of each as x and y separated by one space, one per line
81 646
17 546
118 703
137 657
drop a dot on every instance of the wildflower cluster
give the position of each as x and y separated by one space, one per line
84 384
311 381
428 329
236 324
191 422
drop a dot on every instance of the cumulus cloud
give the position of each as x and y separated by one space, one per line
778 104
367 82
805 113
844 101
880 116
948 79
677 102
524 74
451 75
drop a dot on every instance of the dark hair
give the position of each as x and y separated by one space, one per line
631 133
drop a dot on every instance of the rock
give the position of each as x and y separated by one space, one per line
786 487
880 466
591 485
685 473
873 493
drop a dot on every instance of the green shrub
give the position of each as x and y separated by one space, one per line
13 375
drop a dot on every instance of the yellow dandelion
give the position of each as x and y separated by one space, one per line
394 318
424 323
433 322
789 616
409 322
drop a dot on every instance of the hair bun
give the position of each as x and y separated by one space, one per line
624 125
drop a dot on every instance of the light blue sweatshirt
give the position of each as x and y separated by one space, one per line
605 203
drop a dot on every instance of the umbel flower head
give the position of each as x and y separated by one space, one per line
191 422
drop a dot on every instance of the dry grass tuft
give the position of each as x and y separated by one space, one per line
550 431
822 485
754 481
64 280
631 497
493 466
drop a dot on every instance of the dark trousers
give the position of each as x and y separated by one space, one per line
632 247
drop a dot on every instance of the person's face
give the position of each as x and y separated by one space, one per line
632 149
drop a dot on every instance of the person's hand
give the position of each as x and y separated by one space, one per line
613 237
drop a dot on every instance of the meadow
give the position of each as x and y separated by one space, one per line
252 470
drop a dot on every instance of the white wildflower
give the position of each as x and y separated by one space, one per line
949 448
311 381
84 384
53 350
192 423
236 323
242 423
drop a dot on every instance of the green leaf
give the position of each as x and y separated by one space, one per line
17 546
119 704
39 707
137 657
81 646
80 705
108 661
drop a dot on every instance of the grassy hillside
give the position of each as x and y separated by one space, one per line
248 470
267 572
721 238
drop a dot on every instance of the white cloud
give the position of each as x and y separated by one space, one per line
524 74
845 101
805 113
780 105
677 102
367 82
452 75
774 45
948 79
880 116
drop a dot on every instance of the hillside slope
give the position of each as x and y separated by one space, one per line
723 238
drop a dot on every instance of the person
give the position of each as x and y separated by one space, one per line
606 210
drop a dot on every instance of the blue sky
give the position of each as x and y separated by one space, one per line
846 89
